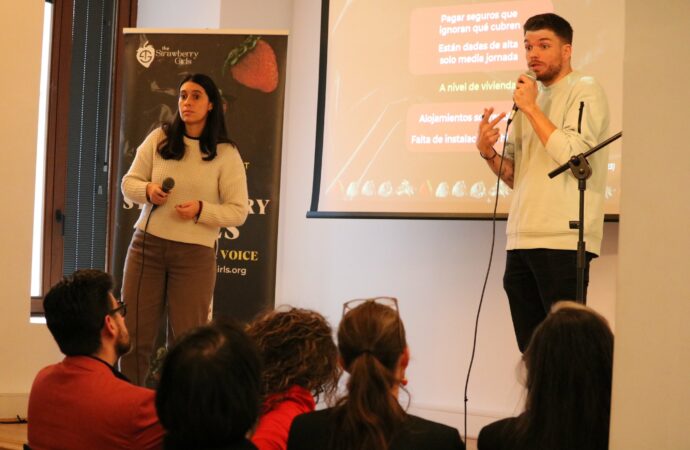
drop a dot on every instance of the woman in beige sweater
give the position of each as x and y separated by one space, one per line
191 181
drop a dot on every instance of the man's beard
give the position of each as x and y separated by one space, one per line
550 73
123 345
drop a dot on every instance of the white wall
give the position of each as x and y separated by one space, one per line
24 348
651 390
228 14
256 14
178 14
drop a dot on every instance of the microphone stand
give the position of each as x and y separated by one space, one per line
580 168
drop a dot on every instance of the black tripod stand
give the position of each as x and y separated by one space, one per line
580 168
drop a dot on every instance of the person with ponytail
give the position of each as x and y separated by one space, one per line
191 181
373 350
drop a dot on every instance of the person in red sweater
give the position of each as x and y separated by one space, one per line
83 402
300 364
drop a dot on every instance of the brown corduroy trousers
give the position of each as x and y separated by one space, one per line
172 292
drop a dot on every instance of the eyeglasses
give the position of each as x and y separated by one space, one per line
121 308
390 302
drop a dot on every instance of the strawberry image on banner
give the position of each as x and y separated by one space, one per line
253 64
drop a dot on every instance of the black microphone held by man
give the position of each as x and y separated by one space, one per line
531 75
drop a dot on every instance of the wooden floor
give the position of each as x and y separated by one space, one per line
12 437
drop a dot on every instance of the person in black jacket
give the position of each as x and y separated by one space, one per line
569 365
373 350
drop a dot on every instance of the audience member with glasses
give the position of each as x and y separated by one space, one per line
374 352
300 366
569 364
83 402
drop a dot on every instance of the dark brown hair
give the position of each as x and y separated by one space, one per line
371 340
569 368
209 392
214 131
553 22
75 310
297 349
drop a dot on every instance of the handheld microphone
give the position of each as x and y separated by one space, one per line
533 76
167 186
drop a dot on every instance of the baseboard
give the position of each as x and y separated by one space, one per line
13 405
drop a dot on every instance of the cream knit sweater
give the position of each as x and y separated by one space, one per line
221 184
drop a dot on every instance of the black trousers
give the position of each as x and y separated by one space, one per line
534 280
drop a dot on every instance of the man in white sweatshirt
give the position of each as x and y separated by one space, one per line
562 114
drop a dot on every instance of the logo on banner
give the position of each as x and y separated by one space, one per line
145 54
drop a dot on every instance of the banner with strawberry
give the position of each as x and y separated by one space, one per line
249 69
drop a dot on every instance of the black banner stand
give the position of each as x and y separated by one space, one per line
581 170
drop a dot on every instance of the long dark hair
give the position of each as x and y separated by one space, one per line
214 130
569 368
371 340
298 350
209 392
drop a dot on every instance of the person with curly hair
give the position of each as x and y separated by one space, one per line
300 365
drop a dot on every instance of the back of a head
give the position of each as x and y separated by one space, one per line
553 22
569 365
298 350
371 341
75 310
209 392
